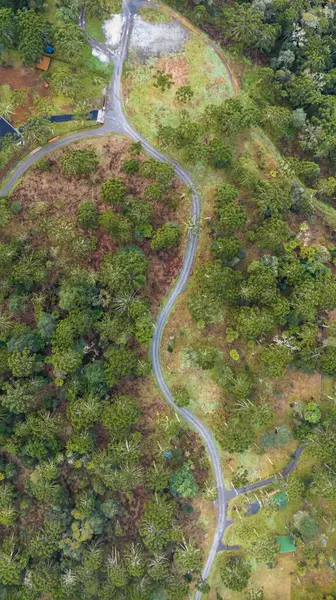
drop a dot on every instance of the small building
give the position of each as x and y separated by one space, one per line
44 63
286 544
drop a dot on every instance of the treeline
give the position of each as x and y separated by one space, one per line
95 494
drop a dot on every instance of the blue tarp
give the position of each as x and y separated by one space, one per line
65 118
6 127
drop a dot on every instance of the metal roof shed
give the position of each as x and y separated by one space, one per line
286 544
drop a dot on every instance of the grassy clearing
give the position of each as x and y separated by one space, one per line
94 27
327 211
276 583
153 15
196 65
50 11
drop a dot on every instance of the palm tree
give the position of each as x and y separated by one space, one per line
6 109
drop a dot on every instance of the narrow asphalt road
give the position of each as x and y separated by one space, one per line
116 122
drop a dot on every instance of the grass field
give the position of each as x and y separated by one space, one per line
94 27
196 65
276 583
153 15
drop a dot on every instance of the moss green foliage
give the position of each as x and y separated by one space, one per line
167 236
182 482
235 572
220 154
75 327
87 215
113 191
79 163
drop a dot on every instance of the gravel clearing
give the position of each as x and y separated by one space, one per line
101 55
155 39
112 29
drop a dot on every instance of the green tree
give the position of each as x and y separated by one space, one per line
154 192
277 120
253 322
119 416
131 166
182 482
219 153
119 227
69 84
70 41
275 359
327 361
113 191
226 248
79 163
163 81
37 130
157 477
30 26
12 563
266 551
7 28
254 594
233 115
236 436
22 363
120 362
230 218
188 558
167 236
184 93
21 395
87 214
157 527
271 234
125 271
312 412
235 572
84 412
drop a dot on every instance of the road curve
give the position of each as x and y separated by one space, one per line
116 122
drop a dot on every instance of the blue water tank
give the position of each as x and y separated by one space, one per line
168 454
49 49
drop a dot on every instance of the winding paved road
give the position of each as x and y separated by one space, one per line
116 122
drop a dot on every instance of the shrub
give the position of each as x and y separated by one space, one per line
181 396
235 572
154 191
87 214
44 164
113 191
77 163
131 166
166 236
219 154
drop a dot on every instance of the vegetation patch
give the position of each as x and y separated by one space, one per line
154 15
98 477
255 375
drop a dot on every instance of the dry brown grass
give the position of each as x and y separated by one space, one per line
49 194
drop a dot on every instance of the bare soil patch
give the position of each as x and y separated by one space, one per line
19 78
178 67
